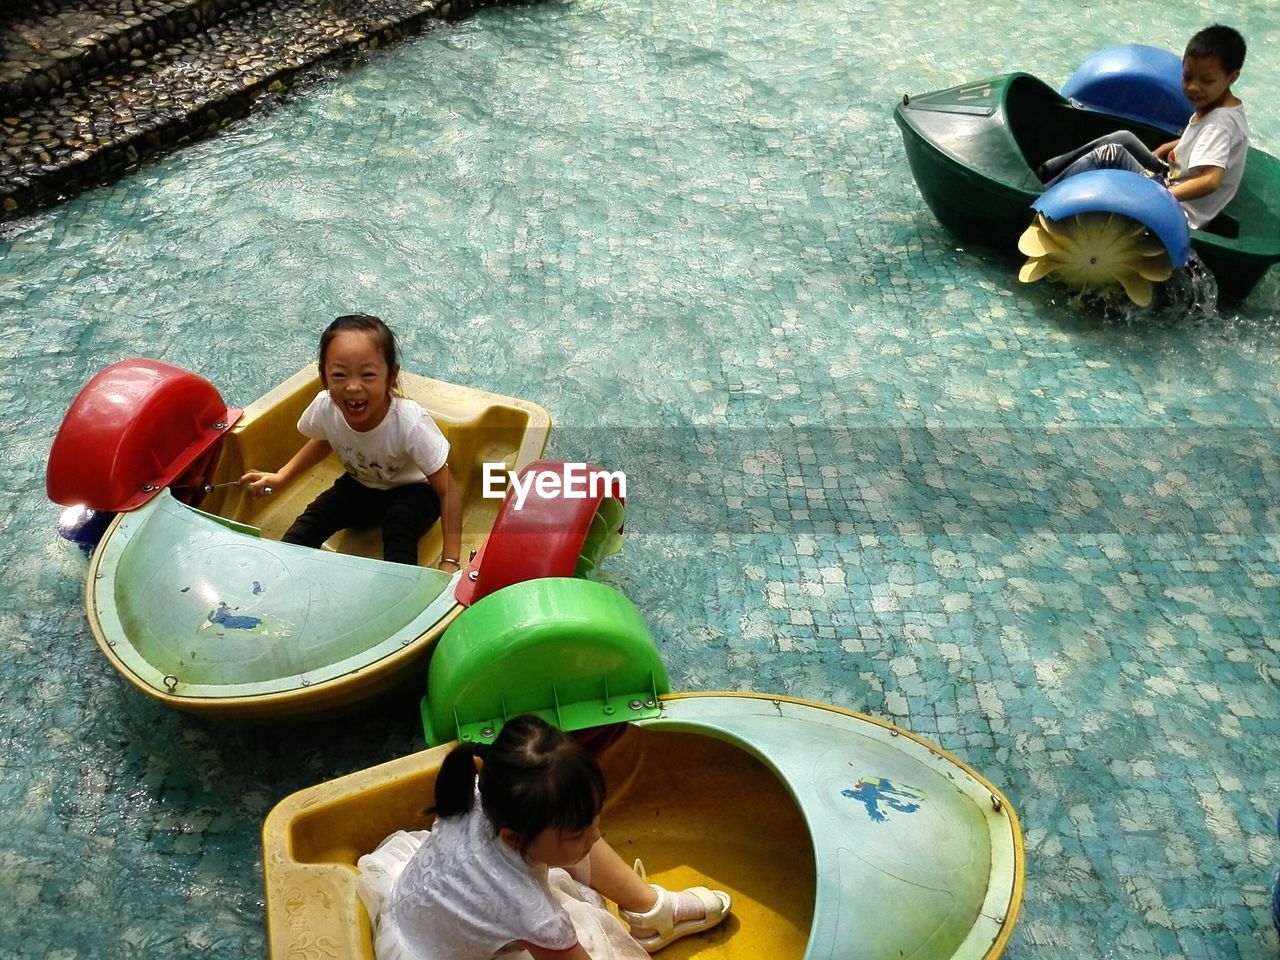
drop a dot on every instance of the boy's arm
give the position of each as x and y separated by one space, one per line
1162 151
1202 182
312 452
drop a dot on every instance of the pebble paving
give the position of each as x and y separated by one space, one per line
866 466
89 89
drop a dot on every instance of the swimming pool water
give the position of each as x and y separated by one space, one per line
865 464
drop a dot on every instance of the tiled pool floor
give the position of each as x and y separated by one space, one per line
866 466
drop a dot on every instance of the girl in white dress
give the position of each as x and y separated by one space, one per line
520 865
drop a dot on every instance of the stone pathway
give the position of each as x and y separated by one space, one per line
90 88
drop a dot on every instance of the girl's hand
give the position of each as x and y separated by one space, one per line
448 565
260 484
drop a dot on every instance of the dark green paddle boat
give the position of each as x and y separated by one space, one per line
973 150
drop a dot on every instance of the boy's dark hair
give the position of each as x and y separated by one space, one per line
367 324
1222 43
534 776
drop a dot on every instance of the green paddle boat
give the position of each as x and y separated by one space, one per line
973 150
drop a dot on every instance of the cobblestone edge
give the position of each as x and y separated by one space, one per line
73 163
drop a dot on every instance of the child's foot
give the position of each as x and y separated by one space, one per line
676 915
685 905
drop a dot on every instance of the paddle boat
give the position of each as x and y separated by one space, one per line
973 150
196 603
837 834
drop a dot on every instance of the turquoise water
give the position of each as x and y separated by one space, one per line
866 465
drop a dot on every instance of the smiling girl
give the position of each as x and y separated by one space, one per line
397 475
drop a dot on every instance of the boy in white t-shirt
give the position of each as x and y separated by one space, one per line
1203 168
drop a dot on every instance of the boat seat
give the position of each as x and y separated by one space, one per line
1223 225
1044 125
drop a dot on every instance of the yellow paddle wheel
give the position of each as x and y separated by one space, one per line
1094 251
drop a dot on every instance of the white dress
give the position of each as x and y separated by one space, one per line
459 893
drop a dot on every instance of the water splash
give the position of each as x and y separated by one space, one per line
1190 296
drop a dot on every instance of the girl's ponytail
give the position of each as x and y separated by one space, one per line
456 781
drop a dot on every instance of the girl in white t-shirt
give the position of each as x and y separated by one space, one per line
396 459
520 865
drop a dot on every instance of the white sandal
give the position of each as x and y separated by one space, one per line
660 917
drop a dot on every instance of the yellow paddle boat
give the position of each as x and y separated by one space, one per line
190 594
838 835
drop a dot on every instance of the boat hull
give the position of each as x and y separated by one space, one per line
836 834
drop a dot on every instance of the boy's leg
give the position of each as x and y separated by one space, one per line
1121 150
410 511
335 509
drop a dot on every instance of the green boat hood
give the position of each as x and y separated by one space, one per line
917 857
968 123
